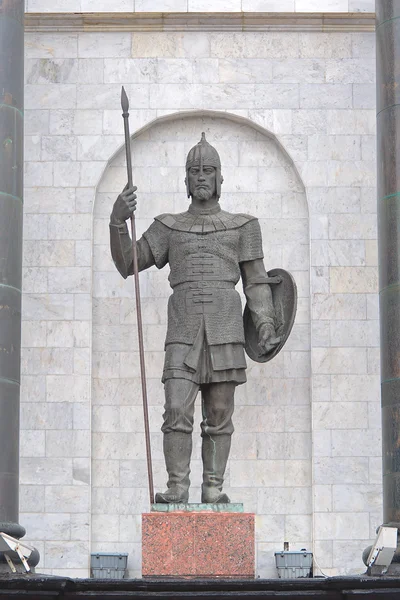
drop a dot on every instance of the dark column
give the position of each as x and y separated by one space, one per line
388 196
388 193
11 182
388 147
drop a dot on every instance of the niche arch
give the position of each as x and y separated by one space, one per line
272 414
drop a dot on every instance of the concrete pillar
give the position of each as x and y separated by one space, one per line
388 164
388 195
11 183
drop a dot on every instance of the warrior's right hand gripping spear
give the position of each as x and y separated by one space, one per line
125 114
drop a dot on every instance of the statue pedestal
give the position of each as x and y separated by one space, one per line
198 540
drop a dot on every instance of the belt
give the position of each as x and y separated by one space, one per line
199 285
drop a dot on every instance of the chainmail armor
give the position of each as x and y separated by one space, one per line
204 269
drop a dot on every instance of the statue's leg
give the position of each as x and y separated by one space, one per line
180 395
217 429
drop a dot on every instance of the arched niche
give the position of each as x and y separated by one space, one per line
271 449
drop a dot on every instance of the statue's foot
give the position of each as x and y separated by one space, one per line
214 496
172 496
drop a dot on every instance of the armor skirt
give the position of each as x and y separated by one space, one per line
202 363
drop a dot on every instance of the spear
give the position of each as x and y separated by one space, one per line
125 114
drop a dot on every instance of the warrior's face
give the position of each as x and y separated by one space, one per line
203 172
202 182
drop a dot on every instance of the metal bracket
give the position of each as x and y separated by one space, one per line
10 544
10 563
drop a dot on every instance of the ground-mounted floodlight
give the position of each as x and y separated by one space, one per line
383 549
10 547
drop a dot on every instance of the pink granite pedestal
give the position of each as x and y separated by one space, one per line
206 544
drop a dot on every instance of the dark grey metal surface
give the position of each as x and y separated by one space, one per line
11 183
388 164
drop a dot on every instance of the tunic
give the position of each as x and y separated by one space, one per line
204 250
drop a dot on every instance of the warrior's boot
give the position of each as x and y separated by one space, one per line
215 453
177 453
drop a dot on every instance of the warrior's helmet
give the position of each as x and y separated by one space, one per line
203 154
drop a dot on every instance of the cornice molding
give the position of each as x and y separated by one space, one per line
79 22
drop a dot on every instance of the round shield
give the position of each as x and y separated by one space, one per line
284 294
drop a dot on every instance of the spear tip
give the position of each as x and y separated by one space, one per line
124 100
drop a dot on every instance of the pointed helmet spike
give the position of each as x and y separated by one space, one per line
202 144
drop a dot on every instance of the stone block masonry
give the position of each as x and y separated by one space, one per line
292 114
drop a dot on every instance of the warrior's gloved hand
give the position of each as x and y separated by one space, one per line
267 338
125 205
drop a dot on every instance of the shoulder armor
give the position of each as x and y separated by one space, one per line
242 218
235 220
168 219
189 222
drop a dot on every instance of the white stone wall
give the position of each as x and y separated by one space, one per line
170 6
316 436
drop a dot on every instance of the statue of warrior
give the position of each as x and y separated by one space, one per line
208 250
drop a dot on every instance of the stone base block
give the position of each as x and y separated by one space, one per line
198 544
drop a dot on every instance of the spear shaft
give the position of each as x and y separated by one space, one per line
125 114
